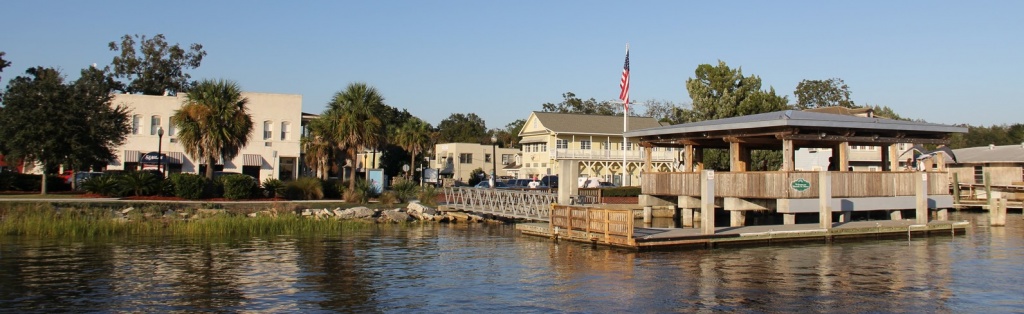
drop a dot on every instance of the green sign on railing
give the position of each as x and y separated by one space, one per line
800 185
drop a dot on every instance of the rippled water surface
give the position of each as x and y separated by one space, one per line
466 268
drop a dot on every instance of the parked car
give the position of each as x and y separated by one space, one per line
606 184
518 183
550 181
487 185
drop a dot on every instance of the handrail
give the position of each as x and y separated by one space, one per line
501 202
602 225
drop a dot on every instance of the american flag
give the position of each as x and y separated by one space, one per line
624 84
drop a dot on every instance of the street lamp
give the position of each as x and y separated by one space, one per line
159 150
494 158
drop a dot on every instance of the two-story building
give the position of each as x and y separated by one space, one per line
594 140
272 150
457 160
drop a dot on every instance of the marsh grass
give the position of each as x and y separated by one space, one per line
45 220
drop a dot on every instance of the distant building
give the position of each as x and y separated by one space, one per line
594 140
272 151
1004 164
458 160
861 158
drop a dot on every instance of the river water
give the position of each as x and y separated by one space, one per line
489 268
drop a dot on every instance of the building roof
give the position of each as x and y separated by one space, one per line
863 112
591 124
792 118
990 154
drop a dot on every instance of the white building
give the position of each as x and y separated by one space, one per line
458 160
273 150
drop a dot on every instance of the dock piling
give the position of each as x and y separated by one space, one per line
825 200
707 201
922 199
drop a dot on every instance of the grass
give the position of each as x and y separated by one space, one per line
47 220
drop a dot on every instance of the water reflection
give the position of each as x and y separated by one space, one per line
463 268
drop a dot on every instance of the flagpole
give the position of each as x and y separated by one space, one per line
625 123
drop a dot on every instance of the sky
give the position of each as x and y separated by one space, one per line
947 62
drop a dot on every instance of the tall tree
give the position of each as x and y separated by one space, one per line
358 125
46 121
823 93
462 128
722 92
513 129
662 110
154 67
413 137
572 104
319 146
214 122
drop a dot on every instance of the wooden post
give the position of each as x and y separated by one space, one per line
825 200
997 215
956 191
698 159
687 217
988 188
894 163
739 157
737 218
707 201
884 151
787 155
922 198
789 219
648 215
895 214
844 156
647 157
688 158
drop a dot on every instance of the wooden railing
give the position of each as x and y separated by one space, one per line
777 184
601 225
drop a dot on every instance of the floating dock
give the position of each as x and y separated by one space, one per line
665 238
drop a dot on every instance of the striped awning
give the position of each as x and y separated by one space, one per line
132 156
175 158
202 161
252 160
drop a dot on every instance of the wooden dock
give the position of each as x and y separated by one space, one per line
664 238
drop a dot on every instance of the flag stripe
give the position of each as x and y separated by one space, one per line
624 84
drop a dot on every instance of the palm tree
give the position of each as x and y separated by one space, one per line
355 112
213 122
414 137
318 146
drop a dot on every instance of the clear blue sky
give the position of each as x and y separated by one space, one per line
942 61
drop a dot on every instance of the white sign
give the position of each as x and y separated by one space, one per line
711 174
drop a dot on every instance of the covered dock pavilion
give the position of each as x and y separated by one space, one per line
786 191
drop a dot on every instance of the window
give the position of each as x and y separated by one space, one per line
154 124
979 175
171 128
543 147
267 132
561 144
627 146
506 158
585 144
136 123
487 157
465 158
285 126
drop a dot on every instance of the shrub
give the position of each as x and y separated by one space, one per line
187 185
305 188
139 183
404 190
332 189
428 195
389 198
361 194
626 191
273 187
238 186
476 176
106 185
6 180
30 182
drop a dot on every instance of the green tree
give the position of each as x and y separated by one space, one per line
513 129
662 110
823 93
886 112
354 111
214 122
462 128
413 137
721 92
318 146
572 104
46 121
153 67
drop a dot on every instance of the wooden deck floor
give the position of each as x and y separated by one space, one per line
652 238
